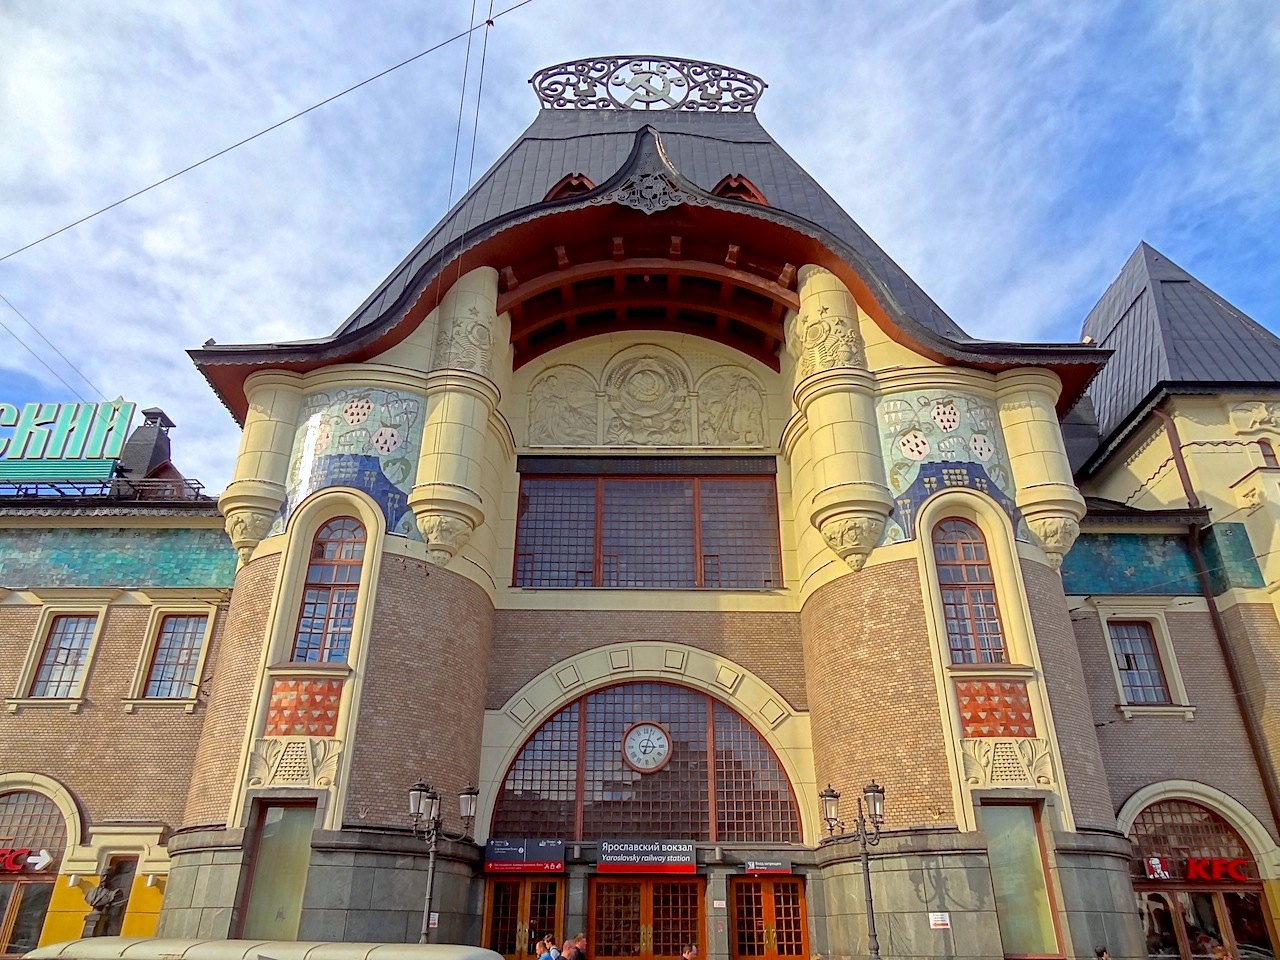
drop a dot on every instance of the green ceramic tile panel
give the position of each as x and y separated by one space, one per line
1129 563
1229 555
116 557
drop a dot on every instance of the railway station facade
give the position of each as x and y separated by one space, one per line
649 497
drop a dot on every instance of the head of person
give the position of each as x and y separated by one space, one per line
1101 953
568 945
580 941
689 951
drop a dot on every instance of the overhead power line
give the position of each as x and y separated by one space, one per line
275 126
40 360
93 386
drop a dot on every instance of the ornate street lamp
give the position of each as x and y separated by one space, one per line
424 812
866 833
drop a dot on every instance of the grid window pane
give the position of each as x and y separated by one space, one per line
173 666
570 780
972 615
666 532
64 655
329 596
1141 673
1175 830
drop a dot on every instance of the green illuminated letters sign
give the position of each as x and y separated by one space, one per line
62 441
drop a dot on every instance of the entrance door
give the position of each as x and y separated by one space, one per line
767 918
520 911
1205 924
644 918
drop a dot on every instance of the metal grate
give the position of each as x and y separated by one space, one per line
1141 673
968 588
63 658
788 918
329 597
173 665
32 820
748 918
504 917
570 781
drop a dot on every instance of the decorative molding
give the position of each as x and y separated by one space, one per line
1056 535
1255 416
1008 762
648 396
465 342
563 409
830 340
652 185
294 762
629 82
853 538
731 409
246 526
445 535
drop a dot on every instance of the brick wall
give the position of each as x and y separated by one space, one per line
118 765
1068 689
1254 635
235 672
527 642
872 695
422 702
1211 749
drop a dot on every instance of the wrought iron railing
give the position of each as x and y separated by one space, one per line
155 489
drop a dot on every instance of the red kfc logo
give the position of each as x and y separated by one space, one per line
1211 869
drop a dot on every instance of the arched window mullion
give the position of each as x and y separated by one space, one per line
966 582
326 616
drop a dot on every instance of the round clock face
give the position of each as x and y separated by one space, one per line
646 747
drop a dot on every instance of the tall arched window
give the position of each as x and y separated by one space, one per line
329 594
1268 454
29 822
647 761
974 633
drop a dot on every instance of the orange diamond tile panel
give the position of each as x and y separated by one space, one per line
994 708
303 708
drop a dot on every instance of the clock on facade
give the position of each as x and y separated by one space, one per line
646 746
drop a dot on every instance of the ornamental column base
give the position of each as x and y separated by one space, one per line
1055 523
851 519
250 507
446 514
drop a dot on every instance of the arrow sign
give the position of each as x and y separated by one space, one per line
38 861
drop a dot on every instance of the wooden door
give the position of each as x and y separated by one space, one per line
645 918
520 911
767 918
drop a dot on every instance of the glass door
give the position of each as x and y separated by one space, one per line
1205 925
767 919
644 919
519 912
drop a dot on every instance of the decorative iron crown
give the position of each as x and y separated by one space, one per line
646 83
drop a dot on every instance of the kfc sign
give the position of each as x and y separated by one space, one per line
1157 868
14 859
1218 869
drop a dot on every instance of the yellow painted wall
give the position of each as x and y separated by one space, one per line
68 910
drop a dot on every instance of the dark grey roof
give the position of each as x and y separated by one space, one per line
703 147
1169 332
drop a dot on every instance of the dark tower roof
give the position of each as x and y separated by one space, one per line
606 125
1171 334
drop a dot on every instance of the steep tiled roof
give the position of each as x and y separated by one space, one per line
1169 332
703 147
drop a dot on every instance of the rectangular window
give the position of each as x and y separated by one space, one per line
177 652
655 532
1024 909
65 653
1138 660
278 871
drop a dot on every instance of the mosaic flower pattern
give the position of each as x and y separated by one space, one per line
933 439
359 437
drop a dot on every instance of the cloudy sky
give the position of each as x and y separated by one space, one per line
1009 155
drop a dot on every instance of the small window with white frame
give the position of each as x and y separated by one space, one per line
1142 657
59 657
172 660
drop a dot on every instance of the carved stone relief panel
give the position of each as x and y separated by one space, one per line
1014 762
294 762
731 409
1255 416
647 393
562 409
466 341
830 341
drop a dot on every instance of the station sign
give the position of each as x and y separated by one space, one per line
62 441
647 856
774 865
524 856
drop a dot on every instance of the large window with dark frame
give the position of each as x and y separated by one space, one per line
721 783
63 656
1138 661
329 595
970 608
172 674
648 531
28 820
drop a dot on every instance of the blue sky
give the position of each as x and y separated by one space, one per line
1009 155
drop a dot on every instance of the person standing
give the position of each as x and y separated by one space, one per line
689 952
580 942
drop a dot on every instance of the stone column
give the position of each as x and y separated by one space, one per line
836 396
461 396
257 489
1047 494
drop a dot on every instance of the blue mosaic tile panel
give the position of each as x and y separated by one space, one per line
111 557
934 439
1159 564
359 437
1229 555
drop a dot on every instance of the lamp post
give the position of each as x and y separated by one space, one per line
424 811
866 833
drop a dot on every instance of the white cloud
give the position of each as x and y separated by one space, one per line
1009 155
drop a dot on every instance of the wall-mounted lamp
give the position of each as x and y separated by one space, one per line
73 879
153 879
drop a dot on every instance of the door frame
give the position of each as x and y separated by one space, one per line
526 881
647 882
767 911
